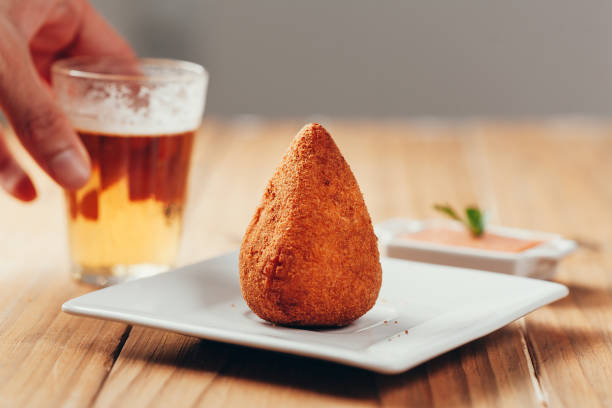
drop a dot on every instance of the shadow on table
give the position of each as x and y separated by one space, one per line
451 372
490 368
496 367
266 367
472 369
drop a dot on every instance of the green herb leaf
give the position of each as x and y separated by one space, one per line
476 220
448 210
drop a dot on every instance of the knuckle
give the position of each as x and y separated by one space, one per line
44 132
41 122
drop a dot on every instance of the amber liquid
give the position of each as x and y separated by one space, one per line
126 222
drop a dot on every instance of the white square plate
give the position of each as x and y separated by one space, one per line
423 311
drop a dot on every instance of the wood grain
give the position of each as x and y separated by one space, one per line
552 176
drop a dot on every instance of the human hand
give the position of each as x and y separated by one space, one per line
33 34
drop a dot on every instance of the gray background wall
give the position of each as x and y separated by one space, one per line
385 58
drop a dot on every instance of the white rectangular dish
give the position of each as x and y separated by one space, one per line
423 311
538 262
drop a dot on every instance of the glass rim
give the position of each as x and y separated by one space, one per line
73 68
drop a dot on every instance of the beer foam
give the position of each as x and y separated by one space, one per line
145 109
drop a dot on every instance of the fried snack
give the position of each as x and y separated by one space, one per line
309 256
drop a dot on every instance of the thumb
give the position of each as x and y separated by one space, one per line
39 123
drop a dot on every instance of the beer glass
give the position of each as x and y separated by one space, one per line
137 119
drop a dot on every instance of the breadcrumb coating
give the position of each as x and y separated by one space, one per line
309 256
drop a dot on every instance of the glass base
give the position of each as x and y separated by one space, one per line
111 275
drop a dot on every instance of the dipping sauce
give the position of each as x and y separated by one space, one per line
463 238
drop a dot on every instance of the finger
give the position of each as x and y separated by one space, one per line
97 37
12 177
40 125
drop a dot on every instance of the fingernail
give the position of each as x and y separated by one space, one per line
69 169
25 190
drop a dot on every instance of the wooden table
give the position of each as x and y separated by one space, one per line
552 176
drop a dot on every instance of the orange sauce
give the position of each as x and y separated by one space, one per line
463 238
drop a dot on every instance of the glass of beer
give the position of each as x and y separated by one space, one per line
137 119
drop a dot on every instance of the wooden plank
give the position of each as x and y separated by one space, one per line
559 188
46 358
493 371
158 369
51 359
548 176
